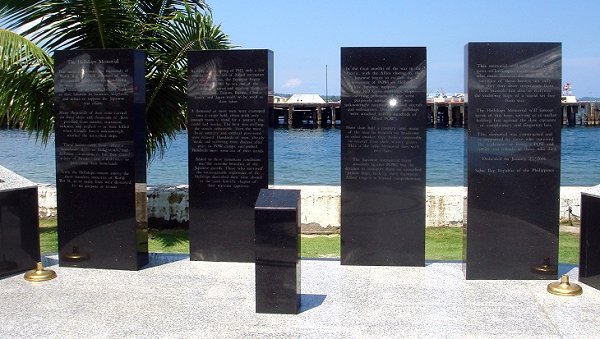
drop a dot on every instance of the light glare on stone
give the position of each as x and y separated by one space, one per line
393 102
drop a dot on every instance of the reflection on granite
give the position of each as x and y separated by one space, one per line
383 156
512 150
19 235
589 251
101 167
230 149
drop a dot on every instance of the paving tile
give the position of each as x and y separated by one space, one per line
177 298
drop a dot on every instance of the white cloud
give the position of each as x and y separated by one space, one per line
292 83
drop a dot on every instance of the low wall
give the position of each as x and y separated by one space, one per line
320 213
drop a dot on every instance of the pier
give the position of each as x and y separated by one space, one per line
440 114
302 114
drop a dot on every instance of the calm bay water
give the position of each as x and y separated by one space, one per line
312 157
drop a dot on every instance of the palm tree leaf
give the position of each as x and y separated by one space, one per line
26 85
15 48
165 29
166 85
74 24
26 100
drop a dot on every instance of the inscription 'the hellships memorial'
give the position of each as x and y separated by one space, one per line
101 158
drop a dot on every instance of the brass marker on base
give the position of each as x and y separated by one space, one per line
564 288
39 274
75 255
546 268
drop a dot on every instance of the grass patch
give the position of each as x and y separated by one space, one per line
442 243
568 249
168 241
48 239
320 246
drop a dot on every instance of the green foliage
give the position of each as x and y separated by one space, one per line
321 246
568 249
48 240
26 84
165 29
169 241
443 243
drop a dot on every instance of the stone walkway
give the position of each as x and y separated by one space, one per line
174 297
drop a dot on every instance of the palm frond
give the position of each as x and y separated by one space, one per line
15 48
26 85
75 24
165 29
166 84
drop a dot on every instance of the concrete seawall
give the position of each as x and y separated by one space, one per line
168 206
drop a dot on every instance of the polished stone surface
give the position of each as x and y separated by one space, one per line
10 181
230 149
512 159
176 297
19 233
383 156
277 251
589 250
101 158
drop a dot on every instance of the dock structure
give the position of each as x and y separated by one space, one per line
445 113
581 113
307 114
440 113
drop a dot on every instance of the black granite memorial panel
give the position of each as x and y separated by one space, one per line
19 234
512 151
230 149
101 158
589 250
277 251
383 156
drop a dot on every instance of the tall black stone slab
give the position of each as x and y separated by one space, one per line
383 156
589 244
230 149
277 251
19 232
101 158
512 160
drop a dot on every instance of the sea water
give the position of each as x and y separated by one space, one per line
312 157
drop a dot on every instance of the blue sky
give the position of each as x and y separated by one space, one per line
307 35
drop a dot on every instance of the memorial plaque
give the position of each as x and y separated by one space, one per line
383 156
513 160
230 149
101 158
277 251
19 233
589 251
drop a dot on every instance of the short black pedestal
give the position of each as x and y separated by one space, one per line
589 251
277 251
19 235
